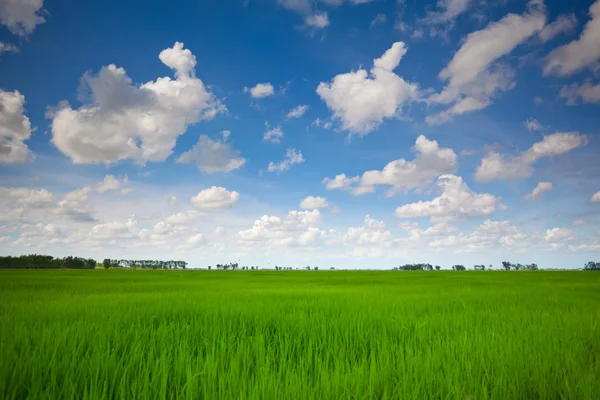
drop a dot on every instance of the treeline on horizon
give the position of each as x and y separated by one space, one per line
39 261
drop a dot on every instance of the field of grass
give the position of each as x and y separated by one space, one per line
299 334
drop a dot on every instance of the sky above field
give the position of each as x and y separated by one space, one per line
344 133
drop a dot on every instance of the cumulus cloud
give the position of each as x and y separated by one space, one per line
340 182
212 156
533 125
595 198
273 135
578 54
260 91
474 76
361 100
430 162
26 196
15 128
215 198
313 203
317 20
292 156
298 111
21 16
8 48
562 24
558 235
495 166
447 12
76 205
314 18
456 200
587 92
110 183
296 228
122 120
539 190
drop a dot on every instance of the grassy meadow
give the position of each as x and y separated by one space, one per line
299 335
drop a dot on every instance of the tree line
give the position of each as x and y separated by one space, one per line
144 264
39 261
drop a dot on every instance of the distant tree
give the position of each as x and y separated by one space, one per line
316 268
459 267
506 265
332 268
592 266
437 267
106 263
480 267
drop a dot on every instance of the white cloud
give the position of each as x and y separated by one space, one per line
15 128
579 222
212 156
317 20
558 235
197 239
373 233
298 111
171 200
273 135
292 156
430 162
578 54
26 196
123 121
313 203
538 101
76 205
8 48
361 101
562 24
539 190
456 200
340 182
215 198
126 191
296 228
261 90
588 93
495 166
474 77
595 198
21 16
111 182
449 10
533 125
379 19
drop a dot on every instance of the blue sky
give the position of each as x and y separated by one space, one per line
345 133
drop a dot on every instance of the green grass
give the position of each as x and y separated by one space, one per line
296 335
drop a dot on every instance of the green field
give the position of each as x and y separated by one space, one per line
299 334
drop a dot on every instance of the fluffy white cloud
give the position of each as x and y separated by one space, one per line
317 20
295 228
533 125
588 93
124 121
456 200
8 48
196 239
595 198
430 162
448 11
539 190
474 77
361 101
313 203
76 205
558 234
340 182
15 128
373 232
298 111
110 183
273 135
578 54
26 196
260 91
495 166
21 16
292 156
562 24
213 156
215 198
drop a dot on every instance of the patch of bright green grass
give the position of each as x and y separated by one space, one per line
299 334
